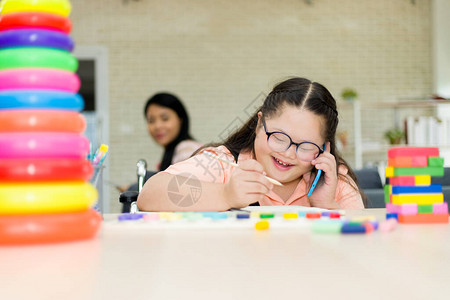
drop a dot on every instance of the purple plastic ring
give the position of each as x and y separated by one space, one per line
36 38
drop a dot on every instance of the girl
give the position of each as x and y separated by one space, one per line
289 139
168 124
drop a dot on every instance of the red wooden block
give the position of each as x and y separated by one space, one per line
313 215
402 180
413 151
423 219
419 161
334 215
408 161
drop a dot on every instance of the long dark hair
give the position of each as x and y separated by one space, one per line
172 102
301 93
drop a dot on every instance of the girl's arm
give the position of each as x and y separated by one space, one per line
169 192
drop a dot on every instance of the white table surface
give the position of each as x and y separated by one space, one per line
412 262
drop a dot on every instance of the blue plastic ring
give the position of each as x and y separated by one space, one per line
36 99
36 38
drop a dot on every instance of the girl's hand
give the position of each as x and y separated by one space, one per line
247 185
324 195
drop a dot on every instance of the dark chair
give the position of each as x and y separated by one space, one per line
370 182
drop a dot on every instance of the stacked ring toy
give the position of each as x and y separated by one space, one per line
41 99
43 145
45 170
49 228
38 20
35 38
35 78
23 120
35 57
58 7
45 193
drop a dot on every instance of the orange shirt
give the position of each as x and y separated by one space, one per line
208 169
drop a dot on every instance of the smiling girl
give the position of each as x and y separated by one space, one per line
289 139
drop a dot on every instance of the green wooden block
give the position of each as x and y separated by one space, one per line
267 215
432 171
425 209
435 161
386 193
326 226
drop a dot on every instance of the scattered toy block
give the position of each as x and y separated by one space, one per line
353 228
334 215
327 226
391 216
388 225
423 219
431 189
267 215
290 215
262 225
312 215
419 199
413 151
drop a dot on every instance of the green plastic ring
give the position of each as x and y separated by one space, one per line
31 57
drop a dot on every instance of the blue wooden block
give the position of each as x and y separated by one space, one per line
392 215
353 228
130 217
243 216
431 189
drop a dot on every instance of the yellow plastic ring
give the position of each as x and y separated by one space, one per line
49 197
59 7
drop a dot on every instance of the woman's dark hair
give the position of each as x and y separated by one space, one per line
301 93
172 102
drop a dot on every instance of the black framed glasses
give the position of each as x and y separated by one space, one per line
279 142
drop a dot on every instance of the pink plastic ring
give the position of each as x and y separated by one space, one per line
39 78
43 145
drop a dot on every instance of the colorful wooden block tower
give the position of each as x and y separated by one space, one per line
409 192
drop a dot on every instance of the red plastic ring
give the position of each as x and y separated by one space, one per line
49 228
21 20
57 169
41 120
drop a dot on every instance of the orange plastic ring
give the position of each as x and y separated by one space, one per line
41 120
49 228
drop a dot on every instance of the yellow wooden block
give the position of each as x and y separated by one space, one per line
290 215
389 172
420 199
254 214
262 225
422 179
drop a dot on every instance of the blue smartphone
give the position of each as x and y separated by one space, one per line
319 172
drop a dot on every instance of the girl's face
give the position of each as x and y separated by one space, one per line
301 126
163 124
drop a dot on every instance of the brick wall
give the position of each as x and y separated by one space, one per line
219 56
